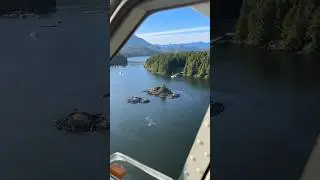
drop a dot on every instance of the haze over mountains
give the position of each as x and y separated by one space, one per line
139 47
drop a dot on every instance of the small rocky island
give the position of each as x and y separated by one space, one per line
82 122
162 92
135 100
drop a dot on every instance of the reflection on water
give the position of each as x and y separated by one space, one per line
270 122
198 83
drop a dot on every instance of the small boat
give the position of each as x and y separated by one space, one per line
173 96
176 75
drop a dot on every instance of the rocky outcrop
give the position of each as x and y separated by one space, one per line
162 92
82 122
135 100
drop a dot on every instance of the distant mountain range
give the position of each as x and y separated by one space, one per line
139 47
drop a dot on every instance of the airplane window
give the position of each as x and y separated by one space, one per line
159 89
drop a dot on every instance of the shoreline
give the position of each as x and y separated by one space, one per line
265 47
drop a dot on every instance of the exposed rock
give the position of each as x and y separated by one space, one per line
162 92
82 122
135 100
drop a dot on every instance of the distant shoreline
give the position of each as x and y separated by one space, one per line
239 43
84 9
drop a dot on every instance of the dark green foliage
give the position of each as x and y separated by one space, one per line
313 33
166 63
260 21
195 64
241 29
286 24
254 29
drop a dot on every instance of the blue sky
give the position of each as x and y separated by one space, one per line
183 25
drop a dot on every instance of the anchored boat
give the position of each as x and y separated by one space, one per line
176 75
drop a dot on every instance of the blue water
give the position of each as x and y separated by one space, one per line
160 133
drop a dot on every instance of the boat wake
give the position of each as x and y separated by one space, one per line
150 121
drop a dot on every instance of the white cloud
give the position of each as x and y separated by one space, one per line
179 31
178 36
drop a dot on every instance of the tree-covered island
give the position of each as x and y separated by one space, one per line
192 64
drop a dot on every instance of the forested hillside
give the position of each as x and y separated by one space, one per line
291 25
